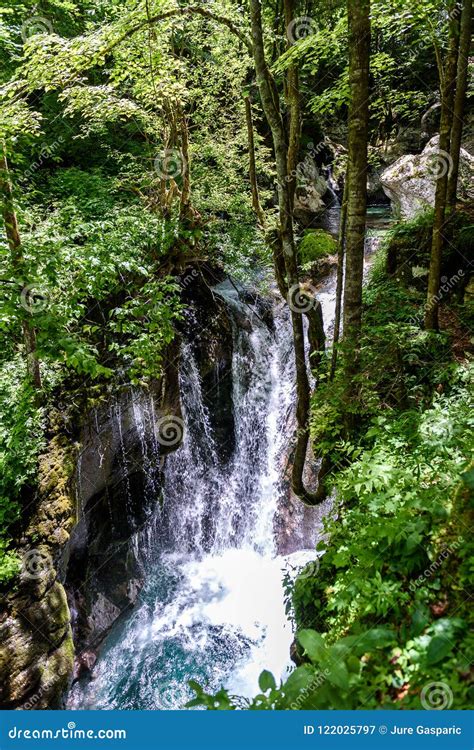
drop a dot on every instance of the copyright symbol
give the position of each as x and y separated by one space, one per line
383 729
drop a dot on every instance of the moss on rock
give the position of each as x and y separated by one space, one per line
316 244
36 644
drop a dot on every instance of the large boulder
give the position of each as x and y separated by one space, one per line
410 182
311 186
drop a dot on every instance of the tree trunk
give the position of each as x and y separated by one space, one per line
339 278
459 103
185 209
14 243
293 101
286 251
252 166
359 51
443 165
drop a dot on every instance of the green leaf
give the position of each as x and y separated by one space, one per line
375 638
440 646
195 686
266 681
298 681
337 673
313 644
419 620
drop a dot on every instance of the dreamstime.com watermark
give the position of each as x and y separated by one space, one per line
67 733
35 699
318 680
36 563
170 164
46 152
312 152
435 565
300 28
35 25
446 286
170 430
34 299
436 696
302 298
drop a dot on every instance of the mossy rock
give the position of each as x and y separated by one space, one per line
316 244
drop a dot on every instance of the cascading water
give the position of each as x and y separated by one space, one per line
212 608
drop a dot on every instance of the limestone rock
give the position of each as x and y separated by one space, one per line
310 189
410 182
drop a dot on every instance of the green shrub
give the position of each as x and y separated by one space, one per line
21 437
9 563
464 240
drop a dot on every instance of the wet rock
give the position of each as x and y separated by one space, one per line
83 664
375 191
119 481
469 290
208 331
36 651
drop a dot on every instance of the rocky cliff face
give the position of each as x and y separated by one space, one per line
311 187
36 646
121 465
118 482
98 485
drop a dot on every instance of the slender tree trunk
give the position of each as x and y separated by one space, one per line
339 278
252 166
185 210
293 101
14 243
359 51
459 104
287 252
443 165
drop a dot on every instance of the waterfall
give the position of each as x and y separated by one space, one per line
332 187
212 608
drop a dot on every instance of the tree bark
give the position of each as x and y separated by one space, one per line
339 278
437 241
252 166
359 51
293 101
185 209
14 243
287 251
459 104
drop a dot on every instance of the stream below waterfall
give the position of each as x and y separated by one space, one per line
212 608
